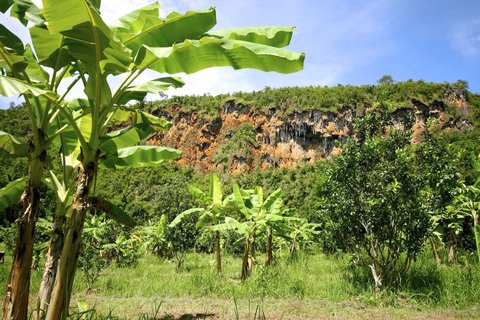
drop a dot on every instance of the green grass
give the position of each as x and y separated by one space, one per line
309 287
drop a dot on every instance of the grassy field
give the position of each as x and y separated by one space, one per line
310 287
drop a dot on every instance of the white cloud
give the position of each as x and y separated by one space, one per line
465 37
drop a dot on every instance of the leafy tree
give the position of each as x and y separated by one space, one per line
386 79
437 168
375 205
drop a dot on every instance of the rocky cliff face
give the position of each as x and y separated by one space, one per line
285 141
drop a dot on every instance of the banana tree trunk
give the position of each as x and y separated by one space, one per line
217 251
269 257
246 262
476 232
62 290
51 262
435 252
451 244
15 305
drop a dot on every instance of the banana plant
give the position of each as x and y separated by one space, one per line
213 212
22 74
259 214
137 42
467 203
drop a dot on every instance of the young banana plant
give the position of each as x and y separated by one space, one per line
213 212
259 214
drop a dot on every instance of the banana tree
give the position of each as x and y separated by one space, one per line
213 212
137 42
22 74
258 215
467 203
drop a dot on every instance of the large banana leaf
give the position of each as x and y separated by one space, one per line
271 36
200 195
138 117
140 156
89 39
11 51
126 137
216 190
144 27
5 5
155 86
112 211
34 70
194 55
237 195
10 194
49 47
26 11
10 87
10 146
185 214
272 198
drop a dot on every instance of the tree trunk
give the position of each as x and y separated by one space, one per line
476 232
51 262
451 243
247 261
15 305
60 298
269 257
435 252
217 251
377 278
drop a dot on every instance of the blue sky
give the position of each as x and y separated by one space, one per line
345 41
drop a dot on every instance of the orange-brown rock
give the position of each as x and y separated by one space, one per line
285 141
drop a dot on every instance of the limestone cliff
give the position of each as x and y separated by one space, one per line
288 140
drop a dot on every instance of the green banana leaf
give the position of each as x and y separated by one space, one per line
271 36
191 56
183 215
140 156
26 11
112 211
144 27
34 70
237 196
11 193
10 146
5 5
126 137
215 190
49 47
139 117
272 198
10 87
89 39
12 49
155 86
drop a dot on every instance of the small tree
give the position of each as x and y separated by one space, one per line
374 203
385 80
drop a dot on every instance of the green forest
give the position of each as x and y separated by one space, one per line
96 222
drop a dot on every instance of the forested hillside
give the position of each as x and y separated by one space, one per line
291 126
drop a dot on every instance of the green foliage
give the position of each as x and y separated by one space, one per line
373 196
288 100
238 145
